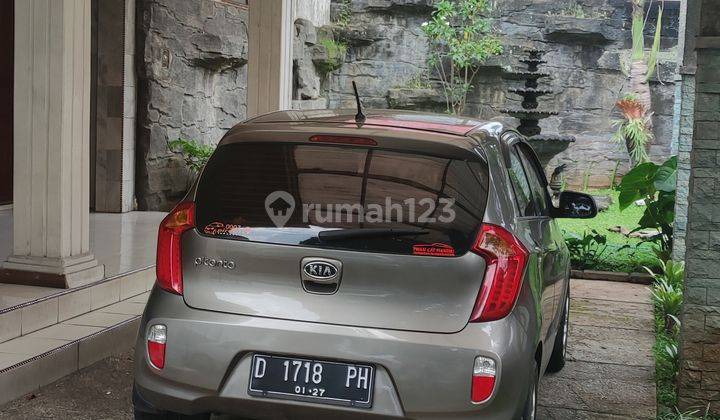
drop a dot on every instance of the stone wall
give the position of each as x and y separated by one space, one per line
387 53
699 379
191 84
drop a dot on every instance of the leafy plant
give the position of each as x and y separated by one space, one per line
336 52
668 300
586 251
666 363
634 129
667 291
655 184
688 415
460 40
673 272
194 154
344 13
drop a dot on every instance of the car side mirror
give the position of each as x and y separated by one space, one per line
575 205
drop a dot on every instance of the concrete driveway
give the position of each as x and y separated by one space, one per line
610 374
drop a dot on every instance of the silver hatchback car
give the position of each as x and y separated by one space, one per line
405 266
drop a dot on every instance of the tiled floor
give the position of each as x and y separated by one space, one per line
122 242
46 339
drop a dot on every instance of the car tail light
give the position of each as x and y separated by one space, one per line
506 258
156 340
361 141
169 253
483 379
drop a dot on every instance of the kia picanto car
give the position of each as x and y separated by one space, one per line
404 266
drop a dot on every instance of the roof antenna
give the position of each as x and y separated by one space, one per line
359 117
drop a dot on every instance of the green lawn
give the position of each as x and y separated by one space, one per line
623 260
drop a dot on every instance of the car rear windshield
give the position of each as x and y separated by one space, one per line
342 197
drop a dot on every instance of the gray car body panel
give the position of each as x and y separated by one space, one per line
420 293
424 362
420 375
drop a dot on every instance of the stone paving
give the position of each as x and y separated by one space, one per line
609 375
610 370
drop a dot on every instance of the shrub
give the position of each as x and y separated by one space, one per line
667 297
589 250
336 52
668 300
460 40
673 272
194 154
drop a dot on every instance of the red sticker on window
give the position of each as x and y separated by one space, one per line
215 228
220 228
434 250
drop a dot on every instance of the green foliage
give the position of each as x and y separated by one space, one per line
656 185
576 10
419 81
194 154
344 13
638 35
666 364
688 415
460 40
655 50
672 272
637 132
667 297
587 251
336 52
624 254
668 300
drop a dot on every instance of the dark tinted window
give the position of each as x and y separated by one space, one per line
539 193
520 184
310 189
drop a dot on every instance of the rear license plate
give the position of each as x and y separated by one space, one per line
312 380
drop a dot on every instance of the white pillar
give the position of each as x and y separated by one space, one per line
270 33
51 239
316 11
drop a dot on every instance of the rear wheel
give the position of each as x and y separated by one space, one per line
557 358
530 411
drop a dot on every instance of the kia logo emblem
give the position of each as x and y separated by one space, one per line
320 270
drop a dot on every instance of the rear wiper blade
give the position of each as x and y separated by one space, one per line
341 234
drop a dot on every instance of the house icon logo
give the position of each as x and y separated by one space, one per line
279 206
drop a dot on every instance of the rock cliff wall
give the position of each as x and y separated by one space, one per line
587 45
192 84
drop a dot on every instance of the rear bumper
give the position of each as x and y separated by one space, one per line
418 375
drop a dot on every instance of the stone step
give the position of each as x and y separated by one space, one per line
55 307
48 354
